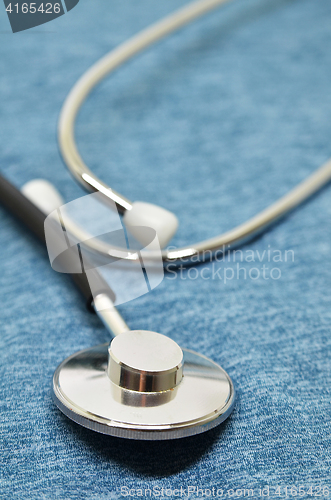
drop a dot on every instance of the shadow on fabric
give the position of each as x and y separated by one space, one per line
148 458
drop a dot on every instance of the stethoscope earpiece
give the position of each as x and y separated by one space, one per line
143 386
43 194
164 222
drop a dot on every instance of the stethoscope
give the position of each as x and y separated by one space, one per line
142 385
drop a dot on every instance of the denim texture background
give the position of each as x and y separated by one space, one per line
213 123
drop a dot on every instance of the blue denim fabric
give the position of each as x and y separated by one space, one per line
213 123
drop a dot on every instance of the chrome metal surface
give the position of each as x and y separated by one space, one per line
145 361
196 252
83 391
109 315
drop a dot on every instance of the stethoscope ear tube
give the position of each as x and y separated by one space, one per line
33 218
198 251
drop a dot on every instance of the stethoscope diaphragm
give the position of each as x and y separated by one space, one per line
118 390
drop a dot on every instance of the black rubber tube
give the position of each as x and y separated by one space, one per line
33 218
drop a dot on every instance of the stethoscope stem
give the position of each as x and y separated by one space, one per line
109 315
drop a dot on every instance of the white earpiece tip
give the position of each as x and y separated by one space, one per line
165 223
43 194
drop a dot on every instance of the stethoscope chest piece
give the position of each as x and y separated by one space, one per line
143 386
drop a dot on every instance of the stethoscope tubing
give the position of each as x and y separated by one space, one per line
197 252
96 74
33 218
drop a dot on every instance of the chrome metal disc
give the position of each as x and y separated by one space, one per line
83 391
